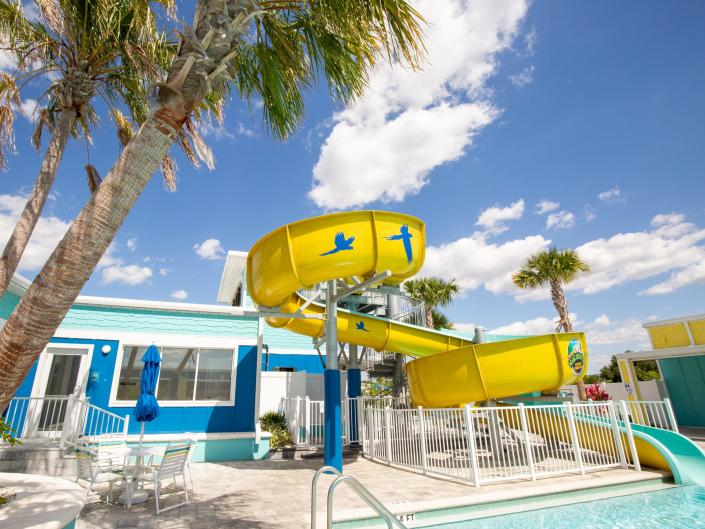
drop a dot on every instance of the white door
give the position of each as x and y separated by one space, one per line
62 373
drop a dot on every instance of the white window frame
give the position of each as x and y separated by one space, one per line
185 342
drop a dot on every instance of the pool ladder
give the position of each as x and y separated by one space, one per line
362 492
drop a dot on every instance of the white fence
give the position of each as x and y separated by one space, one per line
486 445
306 420
62 419
654 413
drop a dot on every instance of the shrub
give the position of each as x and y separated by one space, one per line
6 433
275 423
596 393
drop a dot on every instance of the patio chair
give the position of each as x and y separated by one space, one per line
173 464
193 441
95 471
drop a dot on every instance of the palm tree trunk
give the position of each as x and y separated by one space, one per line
29 217
429 318
48 299
398 376
564 324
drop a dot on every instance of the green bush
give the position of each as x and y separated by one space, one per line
7 433
275 423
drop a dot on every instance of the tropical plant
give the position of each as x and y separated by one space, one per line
596 393
90 48
270 50
554 268
275 423
434 292
7 434
440 321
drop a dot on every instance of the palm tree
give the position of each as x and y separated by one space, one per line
441 321
554 268
268 49
434 292
90 47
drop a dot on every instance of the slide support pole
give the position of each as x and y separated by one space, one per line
354 391
333 441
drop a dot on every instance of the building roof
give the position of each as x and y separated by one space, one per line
681 336
232 277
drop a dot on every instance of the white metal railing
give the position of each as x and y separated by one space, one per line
306 420
654 413
493 444
62 419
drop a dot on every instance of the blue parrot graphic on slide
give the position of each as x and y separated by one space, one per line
341 243
360 326
405 236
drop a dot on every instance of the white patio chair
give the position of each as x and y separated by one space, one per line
193 441
173 465
93 472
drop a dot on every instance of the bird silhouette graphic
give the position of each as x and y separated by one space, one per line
405 236
341 243
360 326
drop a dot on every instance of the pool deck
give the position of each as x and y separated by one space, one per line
276 494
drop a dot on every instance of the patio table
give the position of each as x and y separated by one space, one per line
132 473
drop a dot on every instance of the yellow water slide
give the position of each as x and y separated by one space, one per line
355 246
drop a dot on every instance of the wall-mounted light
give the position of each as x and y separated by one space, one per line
106 349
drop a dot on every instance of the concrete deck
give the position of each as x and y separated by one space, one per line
276 494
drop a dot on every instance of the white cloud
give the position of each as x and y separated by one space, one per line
560 221
179 294
687 276
601 331
409 122
125 274
47 234
589 213
164 271
546 206
671 245
492 220
524 77
210 249
611 195
530 327
28 108
132 244
473 262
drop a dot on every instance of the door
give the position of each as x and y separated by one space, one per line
62 373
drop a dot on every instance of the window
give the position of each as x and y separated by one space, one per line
130 373
177 374
185 374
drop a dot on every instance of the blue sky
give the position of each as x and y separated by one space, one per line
596 110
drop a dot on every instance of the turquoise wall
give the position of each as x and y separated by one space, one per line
685 380
156 321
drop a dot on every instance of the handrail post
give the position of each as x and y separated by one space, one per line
527 441
671 414
617 434
574 436
472 447
388 433
314 485
422 440
630 434
126 425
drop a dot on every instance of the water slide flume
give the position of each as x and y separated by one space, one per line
450 371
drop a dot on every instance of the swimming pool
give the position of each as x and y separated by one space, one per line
673 508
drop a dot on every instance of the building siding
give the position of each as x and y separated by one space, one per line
162 322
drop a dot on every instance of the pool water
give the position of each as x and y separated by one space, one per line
673 508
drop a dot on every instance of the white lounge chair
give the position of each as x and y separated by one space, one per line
173 465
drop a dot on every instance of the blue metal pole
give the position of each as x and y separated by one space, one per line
354 391
333 439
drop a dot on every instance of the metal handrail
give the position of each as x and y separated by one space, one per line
364 494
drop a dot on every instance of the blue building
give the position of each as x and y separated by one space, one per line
212 359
